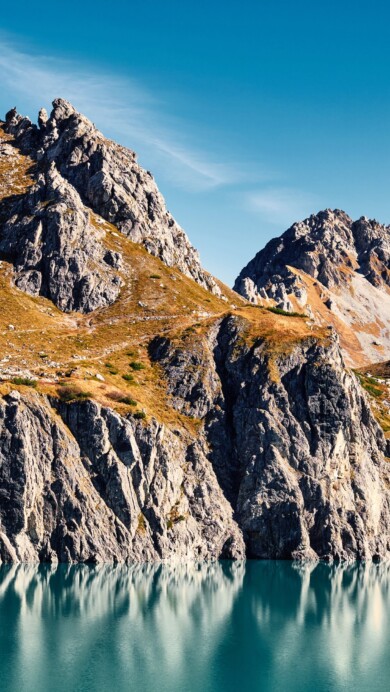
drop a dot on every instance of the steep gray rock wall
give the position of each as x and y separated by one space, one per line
110 181
55 249
292 441
288 460
85 484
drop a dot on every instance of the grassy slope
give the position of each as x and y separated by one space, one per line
155 299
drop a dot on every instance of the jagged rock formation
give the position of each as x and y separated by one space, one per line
293 442
335 268
109 181
56 250
164 425
97 487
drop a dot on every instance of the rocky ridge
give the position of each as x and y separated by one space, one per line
157 422
77 167
337 271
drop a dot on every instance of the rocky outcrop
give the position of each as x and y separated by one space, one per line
286 461
292 441
338 271
323 246
55 248
85 484
269 447
109 180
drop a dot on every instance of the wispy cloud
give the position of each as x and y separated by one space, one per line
119 106
282 205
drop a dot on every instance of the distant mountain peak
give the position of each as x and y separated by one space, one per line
337 270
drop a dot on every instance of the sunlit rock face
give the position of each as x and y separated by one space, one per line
336 270
56 246
86 485
239 432
105 178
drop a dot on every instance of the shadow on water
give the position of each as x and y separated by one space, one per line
210 627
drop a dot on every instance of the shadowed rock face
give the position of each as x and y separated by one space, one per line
107 179
335 269
293 444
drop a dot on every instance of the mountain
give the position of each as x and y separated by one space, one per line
147 411
81 171
335 270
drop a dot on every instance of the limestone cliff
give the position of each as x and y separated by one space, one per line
146 411
292 441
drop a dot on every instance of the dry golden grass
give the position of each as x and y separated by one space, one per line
58 348
15 175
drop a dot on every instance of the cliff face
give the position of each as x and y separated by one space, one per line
141 417
337 271
85 484
287 462
293 443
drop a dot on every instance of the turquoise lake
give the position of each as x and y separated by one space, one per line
183 628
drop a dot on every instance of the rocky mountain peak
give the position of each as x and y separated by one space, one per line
106 180
165 423
335 269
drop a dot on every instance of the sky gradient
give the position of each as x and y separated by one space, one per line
250 115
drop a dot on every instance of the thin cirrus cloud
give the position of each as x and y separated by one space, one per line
121 107
283 205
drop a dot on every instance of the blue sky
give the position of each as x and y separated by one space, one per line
250 115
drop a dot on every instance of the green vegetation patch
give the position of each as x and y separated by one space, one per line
279 311
121 398
72 393
111 368
136 365
140 415
370 384
27 381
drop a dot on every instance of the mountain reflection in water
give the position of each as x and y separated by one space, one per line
207 627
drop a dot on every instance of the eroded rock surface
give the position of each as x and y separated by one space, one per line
335 269
292 441
85 484
108 180
55 248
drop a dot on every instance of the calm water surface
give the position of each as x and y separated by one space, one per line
209 627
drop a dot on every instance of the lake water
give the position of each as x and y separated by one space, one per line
209 627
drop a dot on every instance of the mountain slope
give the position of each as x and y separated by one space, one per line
106 178
337 271
145 417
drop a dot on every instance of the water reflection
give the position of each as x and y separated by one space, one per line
220 626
